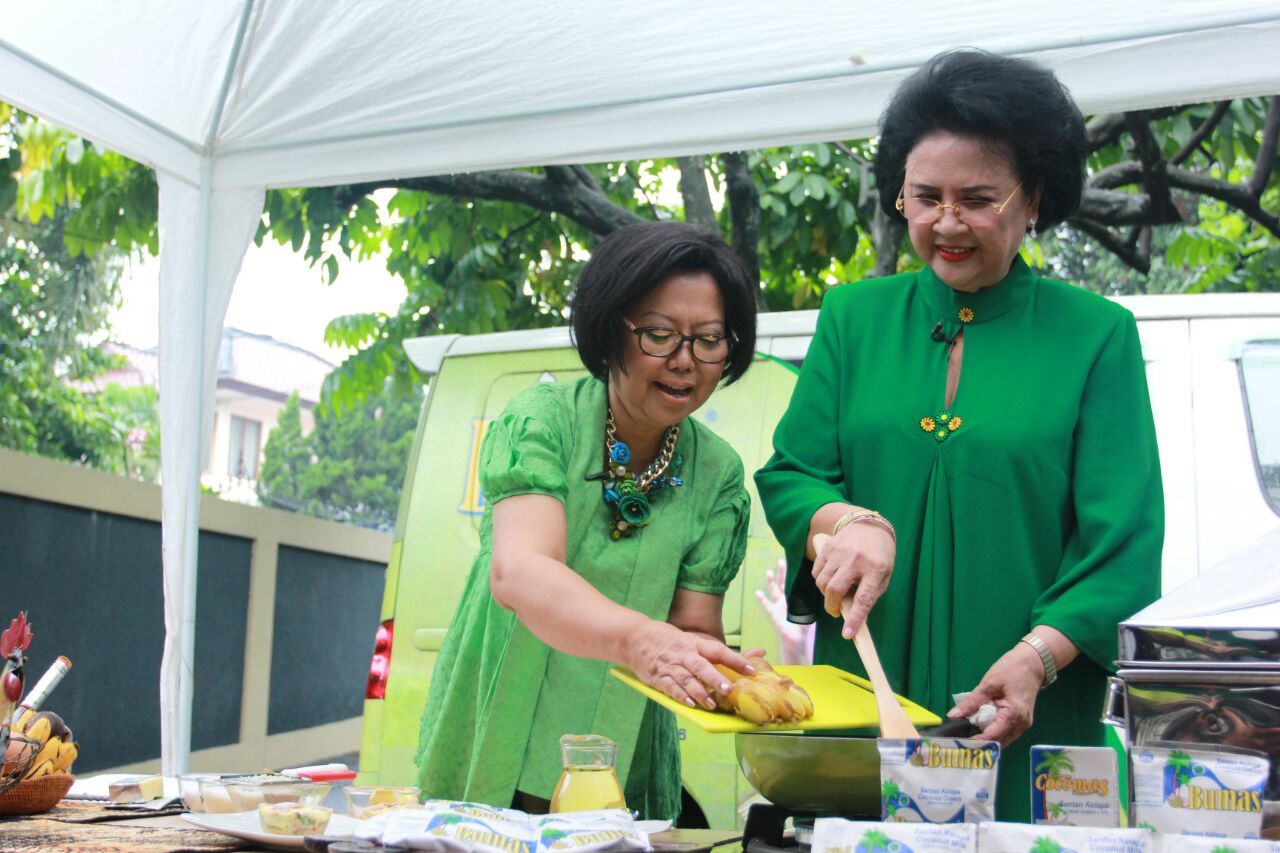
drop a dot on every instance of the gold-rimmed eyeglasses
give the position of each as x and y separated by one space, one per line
975 212
662 342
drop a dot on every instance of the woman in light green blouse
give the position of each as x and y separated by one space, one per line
613 525
978 438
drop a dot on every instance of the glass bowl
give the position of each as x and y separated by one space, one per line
189 787
365 802
249 792
214 796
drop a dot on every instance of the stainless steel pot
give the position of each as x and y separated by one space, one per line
1239 708
827 773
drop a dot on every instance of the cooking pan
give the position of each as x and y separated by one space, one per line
833 773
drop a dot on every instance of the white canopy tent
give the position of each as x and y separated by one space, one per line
227 98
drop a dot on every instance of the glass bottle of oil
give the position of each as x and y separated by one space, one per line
588 781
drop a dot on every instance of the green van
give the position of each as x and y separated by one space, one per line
1220 466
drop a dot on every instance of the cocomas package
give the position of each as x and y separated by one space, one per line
836 835
938 780
455 827
1029 838
1074 786
1181 788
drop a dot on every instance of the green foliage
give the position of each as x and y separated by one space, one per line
816 207
55 293
350 467
475 263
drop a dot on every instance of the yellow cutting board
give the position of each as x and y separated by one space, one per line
841 700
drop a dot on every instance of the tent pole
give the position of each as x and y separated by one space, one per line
203 236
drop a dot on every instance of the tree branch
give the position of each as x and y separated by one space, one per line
1109 241
1155 177
564 190
1116 208
851 154
1266 160
1202 133
744 214
886 235
1103 130
696 194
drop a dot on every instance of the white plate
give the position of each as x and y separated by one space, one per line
247 826
653 827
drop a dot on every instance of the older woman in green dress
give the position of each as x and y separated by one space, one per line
978 440
613 525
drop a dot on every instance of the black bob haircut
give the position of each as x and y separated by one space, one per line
1011 102
635 259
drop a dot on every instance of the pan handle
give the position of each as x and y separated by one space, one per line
1113 704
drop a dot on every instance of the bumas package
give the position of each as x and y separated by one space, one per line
938 780
1178 788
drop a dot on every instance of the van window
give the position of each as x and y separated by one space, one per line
1260 379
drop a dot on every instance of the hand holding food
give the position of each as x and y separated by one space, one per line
685 665
767 696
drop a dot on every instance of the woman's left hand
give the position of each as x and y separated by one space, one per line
1011 684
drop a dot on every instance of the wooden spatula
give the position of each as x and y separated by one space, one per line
893 720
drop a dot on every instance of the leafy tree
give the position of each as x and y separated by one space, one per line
285 459
55 293
1178 199
350 468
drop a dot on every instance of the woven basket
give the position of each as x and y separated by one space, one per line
35 796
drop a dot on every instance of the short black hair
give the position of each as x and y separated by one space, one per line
632 261
1009 101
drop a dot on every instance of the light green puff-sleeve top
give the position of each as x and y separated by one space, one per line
1042 506
500 698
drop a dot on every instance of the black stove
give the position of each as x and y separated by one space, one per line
766 830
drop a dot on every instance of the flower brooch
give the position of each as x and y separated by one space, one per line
941 425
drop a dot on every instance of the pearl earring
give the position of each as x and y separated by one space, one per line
1032 223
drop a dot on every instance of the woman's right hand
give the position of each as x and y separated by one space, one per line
857 563
682 663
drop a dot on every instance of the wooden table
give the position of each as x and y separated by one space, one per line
85 827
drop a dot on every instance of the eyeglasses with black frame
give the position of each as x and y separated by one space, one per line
663 342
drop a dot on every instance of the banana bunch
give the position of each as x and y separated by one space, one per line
58 748
768 696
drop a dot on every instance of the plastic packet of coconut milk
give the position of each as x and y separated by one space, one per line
836 835
448 826
590 832
1028 838
1074 786
938 780
1185 788
1199 844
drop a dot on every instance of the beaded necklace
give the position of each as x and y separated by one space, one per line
625 493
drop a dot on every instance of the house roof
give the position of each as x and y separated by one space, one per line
258 365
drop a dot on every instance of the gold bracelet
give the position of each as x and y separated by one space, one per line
854 516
